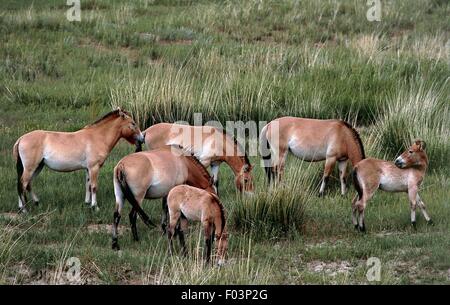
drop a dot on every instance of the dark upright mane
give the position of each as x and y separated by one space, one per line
356 137
111 114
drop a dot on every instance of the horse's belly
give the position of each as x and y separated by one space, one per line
393 184
158 190
308 153
63 165
191 213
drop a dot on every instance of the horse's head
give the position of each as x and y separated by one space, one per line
415 156
244 180
129 129
222 248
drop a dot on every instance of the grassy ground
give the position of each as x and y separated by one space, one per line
233 60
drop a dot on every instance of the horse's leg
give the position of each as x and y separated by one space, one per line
343 175
329 165
361 205
183 228
87 197
25 180
165 214
354 211
120 199
35 174
412 195
174 217
279 167
208 240
215 174
133 218
93 176
422 207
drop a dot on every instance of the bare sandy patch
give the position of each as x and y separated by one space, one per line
330 268
10 215
105 228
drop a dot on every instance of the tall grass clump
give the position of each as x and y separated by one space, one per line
416 112
276 211
241 267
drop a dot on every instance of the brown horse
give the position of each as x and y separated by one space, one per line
210 145
404 175
152 174
190 203
87 149
310 140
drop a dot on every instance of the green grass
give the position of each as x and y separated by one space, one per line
233 60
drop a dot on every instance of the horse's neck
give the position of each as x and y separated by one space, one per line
196 177
355 155
235 163
107 133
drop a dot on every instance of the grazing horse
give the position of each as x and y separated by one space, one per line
310 140
404 175
152 174
210 145
86 148
190 203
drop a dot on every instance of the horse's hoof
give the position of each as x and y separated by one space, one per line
356 227
221 262
430 222
362 229
36 203
22 211
413 224
115 246
95 208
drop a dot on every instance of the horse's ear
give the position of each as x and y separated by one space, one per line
422 145
121 112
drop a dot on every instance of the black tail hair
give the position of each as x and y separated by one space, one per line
19 167
130 197
356 183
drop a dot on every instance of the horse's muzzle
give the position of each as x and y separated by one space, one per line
140 138
399 162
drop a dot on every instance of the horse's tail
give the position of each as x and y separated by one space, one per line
264 150
125 188
19 167
356 152
356 183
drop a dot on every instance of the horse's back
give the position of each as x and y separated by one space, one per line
198 140
157 170
156 136
191 201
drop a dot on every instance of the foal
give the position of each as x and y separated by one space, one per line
190 203
404 175
86 149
